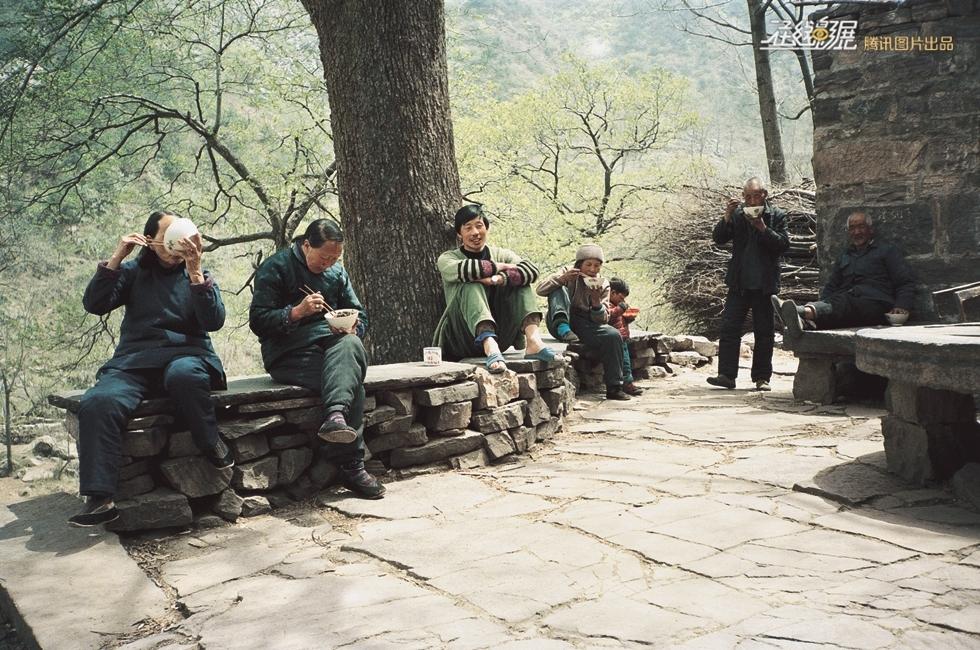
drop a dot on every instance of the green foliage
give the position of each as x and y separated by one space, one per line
582 157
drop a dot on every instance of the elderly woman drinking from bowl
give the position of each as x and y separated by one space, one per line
172 304
578 310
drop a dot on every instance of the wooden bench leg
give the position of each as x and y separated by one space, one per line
815 380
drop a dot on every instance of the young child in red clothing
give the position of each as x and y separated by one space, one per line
620 317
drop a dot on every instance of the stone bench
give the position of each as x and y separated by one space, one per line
647 358
456 415
958 304
933 374
820 352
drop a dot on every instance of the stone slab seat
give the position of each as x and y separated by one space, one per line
261 388
515 360
838 343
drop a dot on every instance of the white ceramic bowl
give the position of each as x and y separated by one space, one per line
592 283
179 229
342 319
897 319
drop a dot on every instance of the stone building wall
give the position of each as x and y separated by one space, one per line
897 133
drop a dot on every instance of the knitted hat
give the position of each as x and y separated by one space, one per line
589 252
469 213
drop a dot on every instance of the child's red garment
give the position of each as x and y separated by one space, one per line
620 319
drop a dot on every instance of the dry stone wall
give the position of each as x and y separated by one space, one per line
897 134
455 415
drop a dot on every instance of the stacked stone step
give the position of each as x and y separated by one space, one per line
486 418
455 415
685 350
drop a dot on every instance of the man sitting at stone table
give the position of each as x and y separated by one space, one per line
869 279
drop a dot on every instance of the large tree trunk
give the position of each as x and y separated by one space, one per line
387 83
767 97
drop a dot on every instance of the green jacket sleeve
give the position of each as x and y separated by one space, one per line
525 272
268 315
108 288
453 267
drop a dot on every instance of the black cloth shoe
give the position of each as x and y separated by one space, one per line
356 479
569 337
722 381
220 456
616 393
97 510
632 389
789 315
331 431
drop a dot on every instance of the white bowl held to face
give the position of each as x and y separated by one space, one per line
897 319
341 319
178 229
753 211
592 283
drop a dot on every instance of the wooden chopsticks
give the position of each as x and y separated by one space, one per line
309 292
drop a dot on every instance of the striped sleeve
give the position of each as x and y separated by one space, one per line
527 272
472 270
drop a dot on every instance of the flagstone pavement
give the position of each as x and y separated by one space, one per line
691 518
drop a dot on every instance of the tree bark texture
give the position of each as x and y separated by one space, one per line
767 97
387 82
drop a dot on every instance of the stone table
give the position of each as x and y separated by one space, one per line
934 372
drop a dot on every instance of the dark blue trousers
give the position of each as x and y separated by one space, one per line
106 408
601 337
335 369
627 364
737 306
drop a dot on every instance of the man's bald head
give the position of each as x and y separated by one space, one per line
754 192
755 183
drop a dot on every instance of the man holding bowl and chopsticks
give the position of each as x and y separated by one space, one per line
310 323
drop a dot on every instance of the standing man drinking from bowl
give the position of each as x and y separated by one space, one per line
758 234
293 291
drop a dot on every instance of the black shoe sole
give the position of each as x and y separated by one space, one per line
363 495
339 436
714 382
96 520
